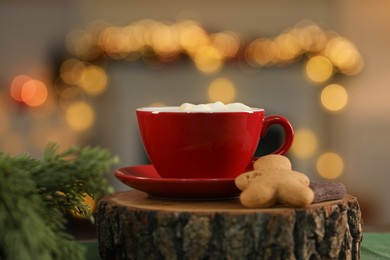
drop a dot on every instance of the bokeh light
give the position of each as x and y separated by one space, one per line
17 87
145 29
165 40
227 43
71 71
208 59
81 43
34 93
334 97
93 80
191 36
344 55
222 90
30 91
287 47
134 37
260 52
330 165
305 143
161 42
80 116
114 41
310 37
319 69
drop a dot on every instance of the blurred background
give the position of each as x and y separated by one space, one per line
74 72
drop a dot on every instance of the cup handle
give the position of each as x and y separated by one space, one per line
288 135
288 131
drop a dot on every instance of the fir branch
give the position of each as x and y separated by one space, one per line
80 171
35 194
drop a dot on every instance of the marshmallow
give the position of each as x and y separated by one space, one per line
214 107
237 106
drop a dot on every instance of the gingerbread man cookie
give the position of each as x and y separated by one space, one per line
273 181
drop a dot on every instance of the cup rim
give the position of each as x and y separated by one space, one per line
175 109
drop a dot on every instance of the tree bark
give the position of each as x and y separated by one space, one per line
132 225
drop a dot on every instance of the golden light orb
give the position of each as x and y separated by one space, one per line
287 47
305 143
191 36
344 55
80 116
260 52
93 80
165 41
319 69
330 165
223 90
208 59
227 43
114 42
71 70
334 97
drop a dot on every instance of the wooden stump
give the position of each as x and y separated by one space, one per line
132 225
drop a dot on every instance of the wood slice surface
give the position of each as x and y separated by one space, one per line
132 225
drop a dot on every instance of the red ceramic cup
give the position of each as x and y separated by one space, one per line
205 145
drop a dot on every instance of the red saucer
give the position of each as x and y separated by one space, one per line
145 178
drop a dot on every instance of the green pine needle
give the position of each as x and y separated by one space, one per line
36 194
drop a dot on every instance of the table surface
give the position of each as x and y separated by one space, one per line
374 246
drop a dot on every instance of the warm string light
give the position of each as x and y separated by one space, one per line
209 51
